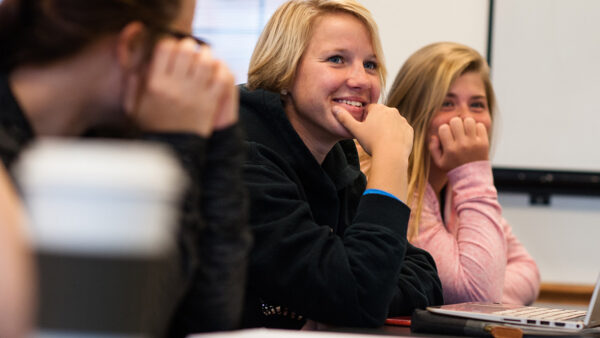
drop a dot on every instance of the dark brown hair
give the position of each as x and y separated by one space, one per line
41 31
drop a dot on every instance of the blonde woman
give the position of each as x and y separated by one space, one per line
325 249
445 93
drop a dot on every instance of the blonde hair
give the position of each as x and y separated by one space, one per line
287 35
418 93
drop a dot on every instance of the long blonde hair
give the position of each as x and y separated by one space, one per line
418 93
287 35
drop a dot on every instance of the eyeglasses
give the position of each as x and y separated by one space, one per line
182 35
179 35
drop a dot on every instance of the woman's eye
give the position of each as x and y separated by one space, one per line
478 105
335 59
371 65
447 104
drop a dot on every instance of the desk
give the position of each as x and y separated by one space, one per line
386 330
335 333
396 331
405 332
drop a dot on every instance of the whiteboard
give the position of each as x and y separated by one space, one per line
546 72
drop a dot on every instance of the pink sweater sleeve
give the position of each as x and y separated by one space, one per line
475 249
522 277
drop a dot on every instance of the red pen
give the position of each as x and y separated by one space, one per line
398 321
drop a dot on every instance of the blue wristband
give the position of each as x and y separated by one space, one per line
380 192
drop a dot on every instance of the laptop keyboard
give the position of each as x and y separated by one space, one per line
533 312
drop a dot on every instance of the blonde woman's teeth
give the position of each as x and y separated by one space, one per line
352 103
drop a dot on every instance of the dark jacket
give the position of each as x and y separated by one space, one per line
214 237
322 250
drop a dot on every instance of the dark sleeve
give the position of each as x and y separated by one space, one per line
225 243
304 266
418 285
215 238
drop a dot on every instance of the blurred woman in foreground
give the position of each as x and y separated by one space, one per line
130 68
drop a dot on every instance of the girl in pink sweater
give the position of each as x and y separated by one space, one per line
445 93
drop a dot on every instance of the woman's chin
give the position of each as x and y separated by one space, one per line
344 134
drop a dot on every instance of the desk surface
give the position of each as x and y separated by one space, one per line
334 333
387 330
342 332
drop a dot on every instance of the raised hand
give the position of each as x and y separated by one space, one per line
186 90
459 142
388 138
383 130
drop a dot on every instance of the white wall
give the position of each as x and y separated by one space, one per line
407 25
563 238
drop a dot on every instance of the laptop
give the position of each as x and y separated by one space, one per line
555 319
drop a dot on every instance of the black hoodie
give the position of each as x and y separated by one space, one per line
322 250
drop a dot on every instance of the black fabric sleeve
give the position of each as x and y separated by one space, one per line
225 242
189 148
215 238
418 284
347 280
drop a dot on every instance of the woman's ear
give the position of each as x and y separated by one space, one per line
132 46
132 51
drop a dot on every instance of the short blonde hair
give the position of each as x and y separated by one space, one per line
418 93
287 35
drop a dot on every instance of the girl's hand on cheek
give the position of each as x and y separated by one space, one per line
186 90
459 142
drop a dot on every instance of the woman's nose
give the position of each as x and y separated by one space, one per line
463 111
358 77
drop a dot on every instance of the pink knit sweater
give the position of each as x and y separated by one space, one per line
477 256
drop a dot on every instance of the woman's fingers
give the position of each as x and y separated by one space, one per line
227 95
346 120
435 149
446 136
457 127
184 58
383 129
481 131
187 90
470 127
162 61
460 142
